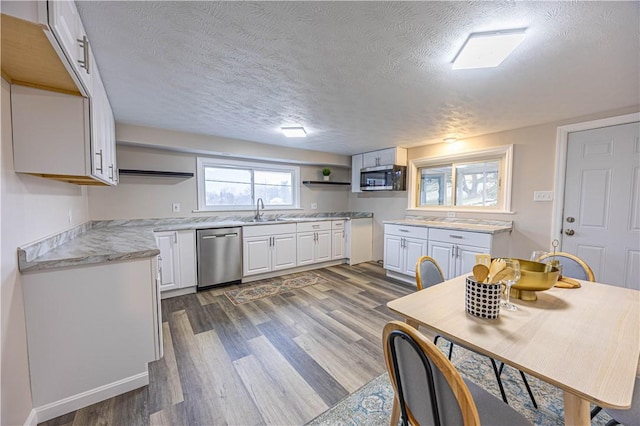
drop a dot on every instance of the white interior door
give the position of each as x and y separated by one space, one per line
601 221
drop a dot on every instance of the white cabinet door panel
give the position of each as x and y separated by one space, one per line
168 263
393 255
443 254
256 257
414 249
283 251
187 258
467 258
338 244
306 243
323 246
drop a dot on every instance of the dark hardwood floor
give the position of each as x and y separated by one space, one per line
280 360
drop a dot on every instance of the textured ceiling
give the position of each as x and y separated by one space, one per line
359 75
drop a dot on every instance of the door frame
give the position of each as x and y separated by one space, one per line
562 143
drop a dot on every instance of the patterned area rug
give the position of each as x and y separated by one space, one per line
271 288
371 404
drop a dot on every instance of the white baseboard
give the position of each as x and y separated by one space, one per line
177 292
81 400
294 270
32 418
402 277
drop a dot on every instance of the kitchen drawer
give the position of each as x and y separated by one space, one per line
337 224
324 225
407 231
276 229
460 237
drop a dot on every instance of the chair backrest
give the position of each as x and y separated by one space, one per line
572 266
428 272
429 389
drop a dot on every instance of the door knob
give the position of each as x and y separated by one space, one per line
569 232
571 219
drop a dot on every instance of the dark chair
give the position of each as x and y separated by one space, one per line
572 266
626 417
429 273
430 391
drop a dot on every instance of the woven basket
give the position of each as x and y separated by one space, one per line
482 300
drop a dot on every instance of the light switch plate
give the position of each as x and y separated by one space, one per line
543 196
175 207
314 206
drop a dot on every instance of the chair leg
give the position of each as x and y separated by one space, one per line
526 384
595 411
612 422
450 350
495 370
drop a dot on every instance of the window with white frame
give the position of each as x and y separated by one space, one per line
472 181
237 185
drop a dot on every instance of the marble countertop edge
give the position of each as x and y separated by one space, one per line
96 242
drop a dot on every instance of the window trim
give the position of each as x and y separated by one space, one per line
505 152
202 162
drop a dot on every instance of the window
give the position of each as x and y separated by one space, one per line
237 185
479 181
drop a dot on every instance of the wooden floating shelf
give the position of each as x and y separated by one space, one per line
154 173
324 182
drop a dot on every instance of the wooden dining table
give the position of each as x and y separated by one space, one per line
585 341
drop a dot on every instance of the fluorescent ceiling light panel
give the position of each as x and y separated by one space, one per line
487 50
294 132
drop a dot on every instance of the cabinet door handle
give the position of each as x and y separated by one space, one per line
453 251
459 237
403 230
111 172
99 154
84 63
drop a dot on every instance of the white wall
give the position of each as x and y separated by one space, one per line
533 170
152 197
31 208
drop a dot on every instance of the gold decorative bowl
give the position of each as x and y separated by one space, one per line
534 277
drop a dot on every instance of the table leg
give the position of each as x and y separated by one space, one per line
576 410
412 323
395 412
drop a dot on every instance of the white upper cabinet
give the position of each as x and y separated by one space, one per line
69 32
63 124
385 157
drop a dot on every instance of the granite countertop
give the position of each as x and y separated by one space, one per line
473 225
115 240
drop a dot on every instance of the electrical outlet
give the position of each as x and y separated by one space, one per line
314 206
451 214
175 207
542 195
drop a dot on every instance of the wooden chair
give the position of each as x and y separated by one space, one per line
429 273
430 391
572 266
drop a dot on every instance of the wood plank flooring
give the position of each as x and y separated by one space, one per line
280 360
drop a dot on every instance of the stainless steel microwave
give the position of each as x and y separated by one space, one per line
383 178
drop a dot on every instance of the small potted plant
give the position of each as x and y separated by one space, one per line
325 173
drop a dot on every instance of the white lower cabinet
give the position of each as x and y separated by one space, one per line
338 239
455 251
403 246
177 260
314 242
91 331
267 248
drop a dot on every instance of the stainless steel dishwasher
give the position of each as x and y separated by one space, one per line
219 256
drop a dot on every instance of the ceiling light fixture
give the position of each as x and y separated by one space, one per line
294 132
449 140
487 49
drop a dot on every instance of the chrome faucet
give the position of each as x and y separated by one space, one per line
258 215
